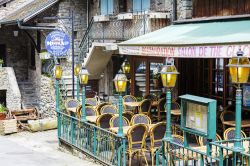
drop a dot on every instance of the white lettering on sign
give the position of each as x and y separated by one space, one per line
210 51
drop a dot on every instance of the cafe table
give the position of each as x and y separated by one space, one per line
92 119
137 103
244 123
126 128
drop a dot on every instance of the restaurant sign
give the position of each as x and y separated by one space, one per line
204 51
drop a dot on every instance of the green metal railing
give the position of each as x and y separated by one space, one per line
100 144
222 153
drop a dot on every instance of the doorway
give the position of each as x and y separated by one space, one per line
3 54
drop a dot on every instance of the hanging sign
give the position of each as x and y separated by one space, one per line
57 43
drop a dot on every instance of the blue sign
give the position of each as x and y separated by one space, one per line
57 43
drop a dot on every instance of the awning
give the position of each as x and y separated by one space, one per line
193 40
27 11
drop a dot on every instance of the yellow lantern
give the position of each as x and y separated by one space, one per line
77 69
120 82
169 75
58 72
126 67
84 76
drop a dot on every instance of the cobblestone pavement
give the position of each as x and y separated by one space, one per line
36 149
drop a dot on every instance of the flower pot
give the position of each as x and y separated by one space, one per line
2 116
156 83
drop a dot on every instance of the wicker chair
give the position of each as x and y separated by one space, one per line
151 97
230 134
226 116
128 115
145 107
103 121
156 134
99 107
203 141
129 98
174 106
140 119
137 141
114 121
71 106
90 111
91 101
161 109
109 109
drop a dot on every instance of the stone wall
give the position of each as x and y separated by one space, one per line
47 99
8 82
184 9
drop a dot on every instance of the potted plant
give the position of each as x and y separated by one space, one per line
156 76
1 63
3 112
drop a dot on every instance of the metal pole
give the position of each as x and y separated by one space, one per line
237 143
78 89
120 130
168 134
83 105
58 110
73 53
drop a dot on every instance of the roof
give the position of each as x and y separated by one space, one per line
183 40
28 11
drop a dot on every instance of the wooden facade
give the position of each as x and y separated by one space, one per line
210 8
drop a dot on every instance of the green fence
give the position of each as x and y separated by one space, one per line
96 142
221 153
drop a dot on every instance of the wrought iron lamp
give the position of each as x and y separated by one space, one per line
76 72
58 75
168 75
83 78
120 82
126 67
239 72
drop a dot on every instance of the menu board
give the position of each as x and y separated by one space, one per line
196 117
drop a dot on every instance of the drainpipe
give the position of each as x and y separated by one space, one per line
35 28
174 14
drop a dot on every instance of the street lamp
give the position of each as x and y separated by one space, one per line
76 72
126 67
120 82
239 72
58 76
83 78
168 76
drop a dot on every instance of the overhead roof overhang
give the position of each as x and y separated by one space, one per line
27 12
194 40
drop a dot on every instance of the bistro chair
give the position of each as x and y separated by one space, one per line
174 106
145 107
71 105
140 119
161 109
111 109
99 107
91 101
90 111
128 115
226 116
203 141
103 121
137 141
114 121
151 97
129 98
230 134
156 134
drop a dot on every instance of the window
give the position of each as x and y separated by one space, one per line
141 5
107 7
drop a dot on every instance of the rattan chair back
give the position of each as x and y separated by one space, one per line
128 115
229 134
114 121
103 121
140 119
111 109
91 101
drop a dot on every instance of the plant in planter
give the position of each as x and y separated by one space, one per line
3 112
156 76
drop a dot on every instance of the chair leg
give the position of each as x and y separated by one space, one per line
152 158
130 158
144 155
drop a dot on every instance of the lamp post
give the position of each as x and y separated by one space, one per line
239 72
168 76
58 76
83 78
120 82
126 70
76 72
